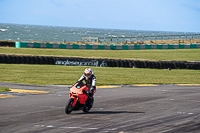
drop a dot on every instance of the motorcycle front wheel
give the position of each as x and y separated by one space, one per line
68 107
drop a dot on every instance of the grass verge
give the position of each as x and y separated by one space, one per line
152 54
4 89
54 74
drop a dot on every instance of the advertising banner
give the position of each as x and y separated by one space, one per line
81 62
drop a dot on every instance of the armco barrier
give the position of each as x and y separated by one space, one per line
105 47
69 61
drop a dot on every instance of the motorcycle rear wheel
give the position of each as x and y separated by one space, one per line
68 107
88 106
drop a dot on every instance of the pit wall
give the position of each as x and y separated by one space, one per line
105 47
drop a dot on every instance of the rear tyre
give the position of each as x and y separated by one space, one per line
68 108
89 105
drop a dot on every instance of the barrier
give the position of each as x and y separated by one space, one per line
7 44
191 38
69 61
105 47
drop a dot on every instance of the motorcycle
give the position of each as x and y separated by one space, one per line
78 98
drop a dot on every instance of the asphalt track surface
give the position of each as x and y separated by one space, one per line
152 109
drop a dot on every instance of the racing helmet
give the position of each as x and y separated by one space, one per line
88 72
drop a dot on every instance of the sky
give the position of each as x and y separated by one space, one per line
150 15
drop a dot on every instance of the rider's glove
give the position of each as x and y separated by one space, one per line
92 89
86 92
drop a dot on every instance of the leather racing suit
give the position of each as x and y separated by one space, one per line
90 83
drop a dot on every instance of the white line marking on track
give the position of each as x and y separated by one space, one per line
85 128
51 126
81 128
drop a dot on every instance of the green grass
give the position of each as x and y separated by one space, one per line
53 74
167 54
4 89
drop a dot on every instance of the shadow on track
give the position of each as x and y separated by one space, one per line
111 112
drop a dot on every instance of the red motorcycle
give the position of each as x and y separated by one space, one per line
78 99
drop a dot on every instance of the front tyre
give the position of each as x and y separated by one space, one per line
68 108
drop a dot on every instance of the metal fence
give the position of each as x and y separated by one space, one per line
137 39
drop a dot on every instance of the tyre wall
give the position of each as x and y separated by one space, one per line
69 61
12 59
7 44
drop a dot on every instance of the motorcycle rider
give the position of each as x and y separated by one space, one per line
90 81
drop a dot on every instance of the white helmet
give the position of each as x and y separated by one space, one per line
88 72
